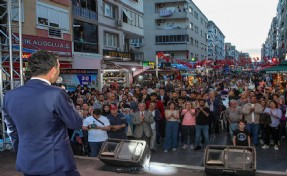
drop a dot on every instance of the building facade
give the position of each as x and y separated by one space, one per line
269 48
275 43
215 42
46 26
230 51
282 29
176 28
107 36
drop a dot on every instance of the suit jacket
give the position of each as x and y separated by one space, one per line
142 127
37 116
248 116
165 99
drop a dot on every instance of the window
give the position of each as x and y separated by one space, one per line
51 16
196 29
110 10
111 40
191 26
191 41
15 13
196 15
171 39
190 9
132 18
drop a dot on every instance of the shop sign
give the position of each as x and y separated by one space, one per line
79 71
276 71
57 46
118 55
148 64
74 77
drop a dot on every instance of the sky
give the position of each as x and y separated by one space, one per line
245 23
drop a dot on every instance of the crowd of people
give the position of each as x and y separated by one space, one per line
172 114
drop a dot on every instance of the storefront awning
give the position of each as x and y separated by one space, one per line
275 69
129 65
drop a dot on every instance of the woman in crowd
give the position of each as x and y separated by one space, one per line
188 125
171 129
105 110
273 127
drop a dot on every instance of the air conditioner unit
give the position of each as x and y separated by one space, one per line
119 22
54 32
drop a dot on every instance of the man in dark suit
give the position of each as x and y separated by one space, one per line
163 97
37 116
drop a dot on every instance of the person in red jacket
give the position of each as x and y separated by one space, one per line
159 104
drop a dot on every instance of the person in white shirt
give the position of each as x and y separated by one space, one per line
97 127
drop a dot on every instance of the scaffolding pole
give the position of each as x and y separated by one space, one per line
10 77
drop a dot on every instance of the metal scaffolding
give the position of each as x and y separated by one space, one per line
10 53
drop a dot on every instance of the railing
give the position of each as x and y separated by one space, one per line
83 12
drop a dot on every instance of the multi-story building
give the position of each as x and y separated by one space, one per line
107 35
215 42
269 48
230 51
282 29
177 28
46 26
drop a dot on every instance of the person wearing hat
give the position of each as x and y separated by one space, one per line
97 127
118 123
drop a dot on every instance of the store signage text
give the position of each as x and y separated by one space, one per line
117 55
78 71
57 46
282 71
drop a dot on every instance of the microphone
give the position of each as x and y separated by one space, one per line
59 80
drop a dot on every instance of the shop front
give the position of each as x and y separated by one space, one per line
278 72
118 68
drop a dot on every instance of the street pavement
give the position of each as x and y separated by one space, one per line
180 162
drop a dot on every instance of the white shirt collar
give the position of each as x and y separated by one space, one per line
41 80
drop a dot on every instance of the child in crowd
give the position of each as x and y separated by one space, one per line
241 136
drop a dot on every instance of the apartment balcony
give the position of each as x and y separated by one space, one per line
173 14
84 13
172 47
172 31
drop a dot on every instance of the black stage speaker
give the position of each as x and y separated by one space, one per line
127 153
230 160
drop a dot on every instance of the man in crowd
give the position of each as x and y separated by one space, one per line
117 123
202 124
142 121
97 127
251 112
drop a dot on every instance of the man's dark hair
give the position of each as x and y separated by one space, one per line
153 94
41 62
97 111
242 121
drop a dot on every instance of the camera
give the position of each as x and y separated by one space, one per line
93 125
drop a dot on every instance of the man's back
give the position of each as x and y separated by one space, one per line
38 115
